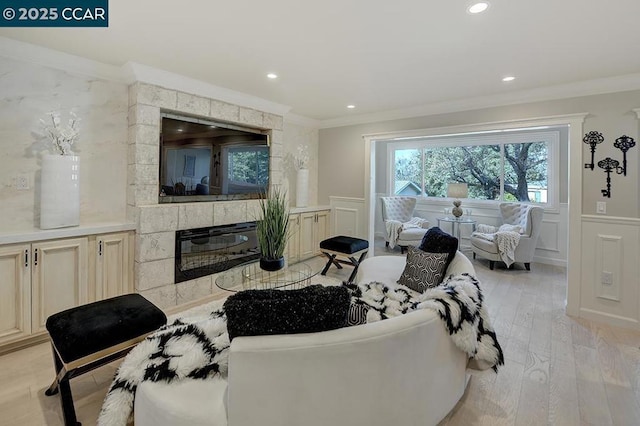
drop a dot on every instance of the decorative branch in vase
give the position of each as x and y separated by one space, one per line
62 137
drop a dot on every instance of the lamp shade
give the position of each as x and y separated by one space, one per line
457 190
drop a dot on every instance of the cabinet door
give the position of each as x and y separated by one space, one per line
307 226
321 228
293 245
113 265
15 292
59 278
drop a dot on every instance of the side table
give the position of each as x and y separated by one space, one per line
456 222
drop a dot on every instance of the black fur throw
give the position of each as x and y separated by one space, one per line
438 241
308 310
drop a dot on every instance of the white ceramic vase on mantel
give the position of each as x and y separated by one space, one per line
60 191
302 188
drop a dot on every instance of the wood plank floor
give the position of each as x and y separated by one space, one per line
558 371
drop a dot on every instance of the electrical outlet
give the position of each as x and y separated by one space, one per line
21 182
601 207
607 278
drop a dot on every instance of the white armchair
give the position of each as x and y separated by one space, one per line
529 218
402 228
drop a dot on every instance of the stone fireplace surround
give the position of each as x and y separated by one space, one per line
156 223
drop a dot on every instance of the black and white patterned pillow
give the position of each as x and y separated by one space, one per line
357 313
423 270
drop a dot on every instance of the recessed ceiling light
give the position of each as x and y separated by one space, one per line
508 78
272 76
351 106
181 130
478 7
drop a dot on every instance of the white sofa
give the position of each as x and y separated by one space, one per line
404 371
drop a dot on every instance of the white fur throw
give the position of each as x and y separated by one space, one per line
198 347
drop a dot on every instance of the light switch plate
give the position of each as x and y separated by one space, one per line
601 207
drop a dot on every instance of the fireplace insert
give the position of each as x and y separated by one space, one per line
205 251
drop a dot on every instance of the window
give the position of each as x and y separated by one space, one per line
249 165
500 166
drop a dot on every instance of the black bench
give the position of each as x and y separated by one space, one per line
344 246
89 336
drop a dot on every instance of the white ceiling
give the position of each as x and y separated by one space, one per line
378 55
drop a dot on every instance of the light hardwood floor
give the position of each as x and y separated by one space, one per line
558 370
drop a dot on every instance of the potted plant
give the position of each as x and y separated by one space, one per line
273 230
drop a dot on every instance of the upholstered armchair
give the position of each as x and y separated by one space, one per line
402 227
529 220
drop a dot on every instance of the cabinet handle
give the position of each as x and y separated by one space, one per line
35 257
26 258
100 248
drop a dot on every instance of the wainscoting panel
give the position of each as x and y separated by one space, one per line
349 216
608 267
552 246
610 270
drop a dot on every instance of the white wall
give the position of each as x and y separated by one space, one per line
343 175
27 93
295 135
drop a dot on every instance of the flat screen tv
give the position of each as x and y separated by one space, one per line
203 160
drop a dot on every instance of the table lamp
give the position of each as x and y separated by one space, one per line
457 190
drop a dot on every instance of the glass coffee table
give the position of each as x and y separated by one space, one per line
251 277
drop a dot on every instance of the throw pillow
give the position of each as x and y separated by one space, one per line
438 241
307 310
423 270
357 313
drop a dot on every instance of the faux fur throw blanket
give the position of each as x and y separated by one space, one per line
198 347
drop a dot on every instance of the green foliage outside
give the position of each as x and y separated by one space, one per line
250 166
480 166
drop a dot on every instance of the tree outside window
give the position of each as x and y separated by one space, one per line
503 171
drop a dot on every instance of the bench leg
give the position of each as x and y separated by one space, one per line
356 264
66 399
332 260
53 389
61 384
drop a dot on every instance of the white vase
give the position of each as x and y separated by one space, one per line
302 188
60 191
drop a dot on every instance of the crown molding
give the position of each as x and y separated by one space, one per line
577 89
301 120
44 56
129 73
144 73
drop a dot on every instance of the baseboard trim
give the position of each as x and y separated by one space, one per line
24 343
611 319
550 261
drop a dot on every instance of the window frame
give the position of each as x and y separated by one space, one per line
497 137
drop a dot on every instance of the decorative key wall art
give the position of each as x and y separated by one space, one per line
592 139
624 143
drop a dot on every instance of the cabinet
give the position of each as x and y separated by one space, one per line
113 268
312 228
41 278
293 245
59 278
15 292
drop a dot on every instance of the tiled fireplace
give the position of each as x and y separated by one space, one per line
156 224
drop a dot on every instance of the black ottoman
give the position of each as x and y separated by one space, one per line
89 336
344 246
